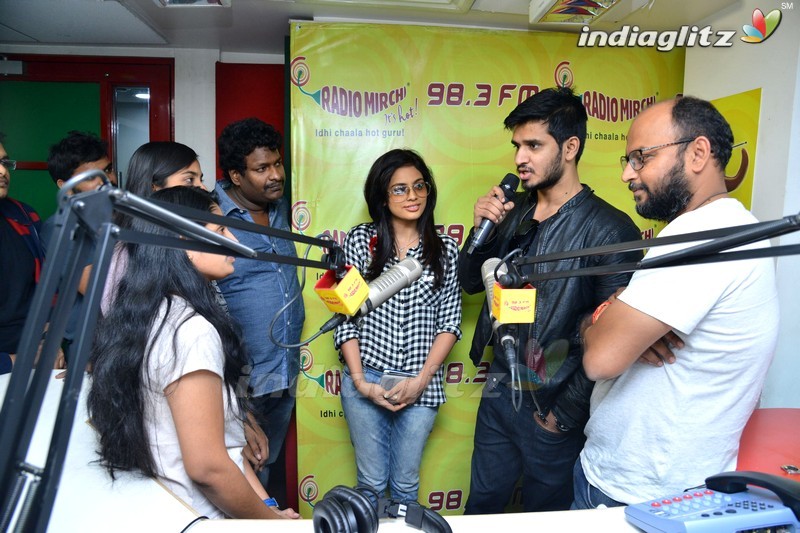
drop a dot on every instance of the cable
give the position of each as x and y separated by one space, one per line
507 341
190 524
290 302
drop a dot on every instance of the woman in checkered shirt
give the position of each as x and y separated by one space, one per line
413 331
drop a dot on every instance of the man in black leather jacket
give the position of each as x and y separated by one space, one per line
554 213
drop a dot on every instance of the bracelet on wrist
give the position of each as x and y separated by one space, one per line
271 502
599 311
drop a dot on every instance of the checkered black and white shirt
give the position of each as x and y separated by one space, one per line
399 333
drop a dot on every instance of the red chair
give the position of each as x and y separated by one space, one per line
770 440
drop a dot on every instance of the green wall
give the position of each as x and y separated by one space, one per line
36 115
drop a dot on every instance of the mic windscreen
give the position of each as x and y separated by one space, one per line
487 273
509 185
391 282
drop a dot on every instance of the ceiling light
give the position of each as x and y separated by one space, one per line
581 12
142 96
193 3
457 6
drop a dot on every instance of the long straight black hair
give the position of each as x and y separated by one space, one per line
151 164
120 350
376 194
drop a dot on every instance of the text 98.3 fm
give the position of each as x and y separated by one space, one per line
483 95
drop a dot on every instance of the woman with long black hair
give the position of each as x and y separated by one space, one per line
412 332
166 363
153 166
162 164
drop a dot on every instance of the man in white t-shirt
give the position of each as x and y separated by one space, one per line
662 428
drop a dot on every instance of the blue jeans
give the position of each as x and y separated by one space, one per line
510 444
388 446
273 412
588 496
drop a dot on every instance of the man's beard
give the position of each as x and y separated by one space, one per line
551 176
670 198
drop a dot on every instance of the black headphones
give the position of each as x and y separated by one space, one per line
346 510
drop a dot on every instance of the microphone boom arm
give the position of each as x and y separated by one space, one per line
707 252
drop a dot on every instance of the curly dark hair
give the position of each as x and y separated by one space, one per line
120 351
376 192
72 151
558 107
239 139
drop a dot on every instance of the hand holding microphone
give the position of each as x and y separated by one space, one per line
491 207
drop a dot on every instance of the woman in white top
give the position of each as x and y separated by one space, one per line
166 364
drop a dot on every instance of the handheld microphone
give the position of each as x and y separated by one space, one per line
509 185
381 289
504 332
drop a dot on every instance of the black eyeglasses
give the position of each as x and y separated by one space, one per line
636 157
10 164
399 193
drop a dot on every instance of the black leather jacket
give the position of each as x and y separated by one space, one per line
582 222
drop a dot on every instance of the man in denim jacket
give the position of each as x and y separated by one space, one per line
253 190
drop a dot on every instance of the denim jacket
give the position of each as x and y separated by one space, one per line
254 294
583 221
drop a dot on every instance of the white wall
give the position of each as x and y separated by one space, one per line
773 66
195 105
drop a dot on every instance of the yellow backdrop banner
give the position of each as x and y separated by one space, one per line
741 111
358 90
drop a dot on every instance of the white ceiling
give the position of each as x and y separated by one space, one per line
260 26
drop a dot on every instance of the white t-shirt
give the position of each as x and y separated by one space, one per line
659 430
198 347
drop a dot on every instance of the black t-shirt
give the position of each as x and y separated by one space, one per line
17 268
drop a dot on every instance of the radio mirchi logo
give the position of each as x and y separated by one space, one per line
762 26
344 101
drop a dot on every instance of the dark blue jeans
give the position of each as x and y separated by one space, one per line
510 445
388 445
588 496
